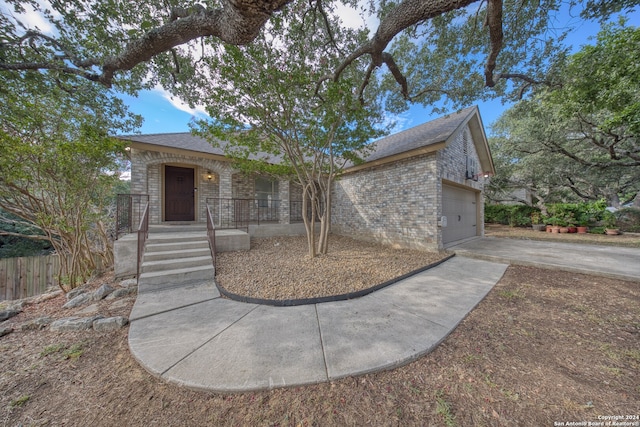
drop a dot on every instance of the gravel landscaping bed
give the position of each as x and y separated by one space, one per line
279 268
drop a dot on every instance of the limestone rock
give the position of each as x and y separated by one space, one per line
102 292
88 310
79 300
75 292
35 324
110 323
73 324
122 292
8 314
129 283
5 331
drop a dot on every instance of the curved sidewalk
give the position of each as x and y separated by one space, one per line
190 336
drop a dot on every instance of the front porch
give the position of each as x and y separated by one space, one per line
175 251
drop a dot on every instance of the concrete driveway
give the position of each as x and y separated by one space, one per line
609 261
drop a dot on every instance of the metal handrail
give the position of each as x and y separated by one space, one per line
143 234
128 207
235 213
211 237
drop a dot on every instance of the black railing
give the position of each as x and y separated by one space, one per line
129 209
239 213
143 234
211 236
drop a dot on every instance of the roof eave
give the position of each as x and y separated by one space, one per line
145 146
432 148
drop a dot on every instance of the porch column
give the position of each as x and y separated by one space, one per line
283 195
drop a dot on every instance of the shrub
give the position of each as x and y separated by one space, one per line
628 219
513 215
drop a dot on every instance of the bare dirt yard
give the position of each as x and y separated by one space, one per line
543 348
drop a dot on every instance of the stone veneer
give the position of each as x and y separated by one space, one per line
147 178
399 203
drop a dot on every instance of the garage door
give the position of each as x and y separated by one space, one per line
460 208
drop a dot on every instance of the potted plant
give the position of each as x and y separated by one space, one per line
535 222
583 222
571 223
609 220
563 226
555 224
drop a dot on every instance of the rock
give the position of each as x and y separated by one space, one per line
5 331
90 309
122 292
35 324
8 314
110 323
73 324
129 283
102 292
121 303
75 292
45 297
79 300
17 305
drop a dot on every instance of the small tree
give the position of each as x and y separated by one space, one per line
272 104
56 157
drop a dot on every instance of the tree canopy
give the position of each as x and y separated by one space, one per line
55 155
579 139
431 48
269 106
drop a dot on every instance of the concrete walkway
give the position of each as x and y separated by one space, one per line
190 336
609 261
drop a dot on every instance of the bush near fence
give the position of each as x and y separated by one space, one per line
29 276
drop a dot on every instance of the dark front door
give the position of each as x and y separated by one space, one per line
178 194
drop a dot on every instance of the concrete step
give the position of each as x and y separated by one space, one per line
159 255
176 246
176 228
176 237
173 264
158 279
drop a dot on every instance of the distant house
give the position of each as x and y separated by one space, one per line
421 188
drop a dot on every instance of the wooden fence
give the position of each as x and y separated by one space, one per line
29 276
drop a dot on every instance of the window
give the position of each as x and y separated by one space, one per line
266 192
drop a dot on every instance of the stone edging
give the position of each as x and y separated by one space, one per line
331 298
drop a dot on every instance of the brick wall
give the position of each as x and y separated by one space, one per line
146 178
400 203
393 203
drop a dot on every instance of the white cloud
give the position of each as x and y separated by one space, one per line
32 19
356 18
198 111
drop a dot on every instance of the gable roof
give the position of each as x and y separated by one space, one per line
182 141
425 138
427 134
430 137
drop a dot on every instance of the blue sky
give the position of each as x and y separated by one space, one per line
164 115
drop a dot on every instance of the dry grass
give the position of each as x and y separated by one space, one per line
543 347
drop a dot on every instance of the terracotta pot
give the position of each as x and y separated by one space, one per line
573 229
549 228
581 229
612 231
555 229
564 229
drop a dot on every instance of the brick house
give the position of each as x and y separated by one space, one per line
420 188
